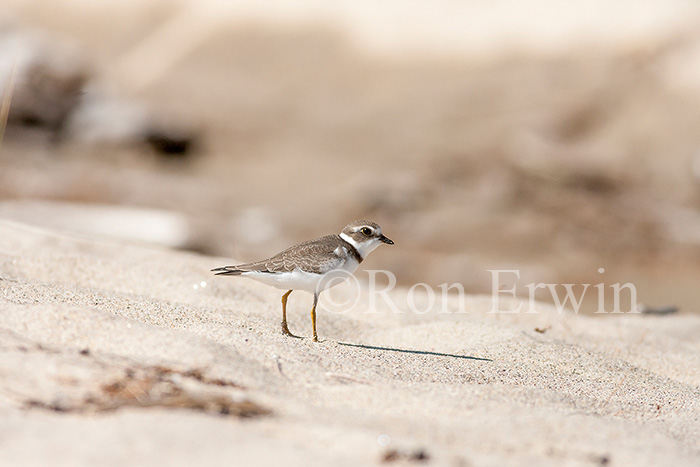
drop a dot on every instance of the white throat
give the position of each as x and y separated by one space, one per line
363 248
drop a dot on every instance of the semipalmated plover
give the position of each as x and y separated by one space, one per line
315 265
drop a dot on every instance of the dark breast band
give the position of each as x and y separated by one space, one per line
352 251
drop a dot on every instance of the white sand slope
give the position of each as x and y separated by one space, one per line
122 355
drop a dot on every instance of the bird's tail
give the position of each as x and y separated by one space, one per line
228 271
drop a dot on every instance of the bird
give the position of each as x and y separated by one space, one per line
314 265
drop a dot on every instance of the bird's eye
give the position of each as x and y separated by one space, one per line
366 231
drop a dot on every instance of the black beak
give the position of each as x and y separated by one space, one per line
386 240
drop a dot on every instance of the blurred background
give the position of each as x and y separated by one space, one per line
555 138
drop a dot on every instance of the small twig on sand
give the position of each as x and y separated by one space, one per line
656 310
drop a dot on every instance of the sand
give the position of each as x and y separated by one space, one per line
122 354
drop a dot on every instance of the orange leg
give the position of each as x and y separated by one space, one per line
285 329
313 316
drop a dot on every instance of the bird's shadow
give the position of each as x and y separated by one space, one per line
415 352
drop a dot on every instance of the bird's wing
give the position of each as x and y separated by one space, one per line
316 256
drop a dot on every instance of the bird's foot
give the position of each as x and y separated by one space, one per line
286 332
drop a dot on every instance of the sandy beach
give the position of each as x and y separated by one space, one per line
149 141
119 354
